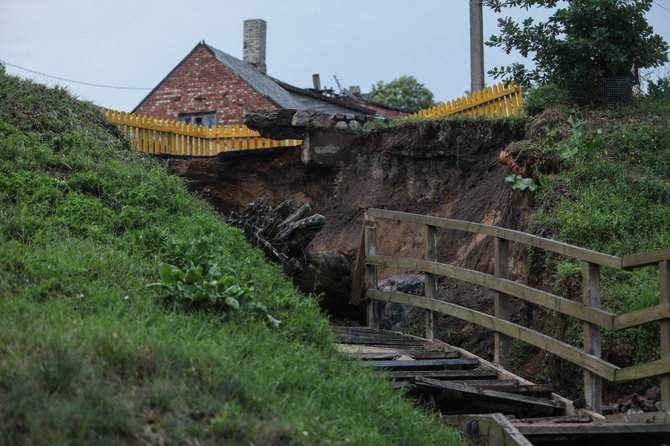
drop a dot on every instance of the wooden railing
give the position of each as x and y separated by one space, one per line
589 311
153 135
499 100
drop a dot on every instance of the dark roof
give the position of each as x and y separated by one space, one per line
316 95
257 80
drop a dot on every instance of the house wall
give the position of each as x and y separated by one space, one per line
203 84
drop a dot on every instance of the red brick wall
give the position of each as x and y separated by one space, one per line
203 84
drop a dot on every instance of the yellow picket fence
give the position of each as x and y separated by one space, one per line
498 100
153 135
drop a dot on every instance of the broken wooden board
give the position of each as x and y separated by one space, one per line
424 364
444 374
465 395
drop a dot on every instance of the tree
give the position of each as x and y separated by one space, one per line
405 92
579 45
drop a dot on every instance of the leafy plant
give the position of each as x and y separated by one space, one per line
579 45
210 290
576 142
521 183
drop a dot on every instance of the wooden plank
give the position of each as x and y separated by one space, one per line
645 258
477 374
593 384
423 364
561 349
372 307
525 292
490 429
508 234
502 310
431 321
535 390
582 429
555 420
644 316
664 298
493 396
358 281
485 383
646 370
435 355
375 356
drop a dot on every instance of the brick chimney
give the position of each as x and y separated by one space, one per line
254 43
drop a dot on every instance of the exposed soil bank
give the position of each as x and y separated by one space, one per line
441 168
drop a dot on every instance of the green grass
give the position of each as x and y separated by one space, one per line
615 198
90 355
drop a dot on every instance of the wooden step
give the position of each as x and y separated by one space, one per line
596 433
443 374
473 397
536 390
434 355
424 364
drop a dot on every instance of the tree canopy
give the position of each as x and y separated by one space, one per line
579 44
405 92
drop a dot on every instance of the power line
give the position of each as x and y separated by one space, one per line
73 81
661 6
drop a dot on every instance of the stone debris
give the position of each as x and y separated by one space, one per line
636 403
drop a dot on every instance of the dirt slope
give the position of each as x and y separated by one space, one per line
441 168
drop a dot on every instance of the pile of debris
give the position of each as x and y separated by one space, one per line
282 233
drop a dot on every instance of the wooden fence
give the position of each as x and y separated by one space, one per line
491 101
589 312
154 135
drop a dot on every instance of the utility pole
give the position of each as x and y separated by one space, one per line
476 46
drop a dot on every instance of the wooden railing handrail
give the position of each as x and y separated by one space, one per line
594 319
496 231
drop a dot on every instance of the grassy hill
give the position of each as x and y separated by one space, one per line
611 195
130 313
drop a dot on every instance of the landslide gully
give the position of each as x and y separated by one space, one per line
443 168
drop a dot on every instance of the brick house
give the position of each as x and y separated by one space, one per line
211 87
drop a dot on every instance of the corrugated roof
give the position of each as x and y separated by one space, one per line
260 82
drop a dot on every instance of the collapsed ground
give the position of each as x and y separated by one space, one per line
450 168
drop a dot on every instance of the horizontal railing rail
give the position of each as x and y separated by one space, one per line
497 100
588 311
164 136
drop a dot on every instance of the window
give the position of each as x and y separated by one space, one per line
207 118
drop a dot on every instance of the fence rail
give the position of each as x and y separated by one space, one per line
153 135
588 311
498 100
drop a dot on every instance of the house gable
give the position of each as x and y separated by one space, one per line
201 83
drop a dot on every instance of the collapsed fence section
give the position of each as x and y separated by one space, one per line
495 101
164 136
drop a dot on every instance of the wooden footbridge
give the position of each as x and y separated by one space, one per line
484 399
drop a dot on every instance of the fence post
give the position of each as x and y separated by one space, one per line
593 384
664 276
372 305
432 325
502 310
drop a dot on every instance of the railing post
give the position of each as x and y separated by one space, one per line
432 325
593 384
372 305
502 309
664 276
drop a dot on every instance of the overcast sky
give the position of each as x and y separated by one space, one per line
136 43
